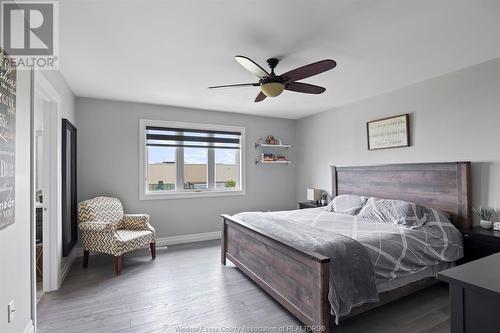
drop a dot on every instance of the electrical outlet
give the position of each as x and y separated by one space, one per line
11 310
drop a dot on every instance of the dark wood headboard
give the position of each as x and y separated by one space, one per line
444 186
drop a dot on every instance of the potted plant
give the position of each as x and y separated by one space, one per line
485 216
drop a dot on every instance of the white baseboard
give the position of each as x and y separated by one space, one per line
187 238
165 241
29 327
67 265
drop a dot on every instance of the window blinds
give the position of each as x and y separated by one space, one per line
193 138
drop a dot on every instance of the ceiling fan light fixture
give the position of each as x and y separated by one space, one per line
272 89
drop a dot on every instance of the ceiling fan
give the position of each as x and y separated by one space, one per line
272 85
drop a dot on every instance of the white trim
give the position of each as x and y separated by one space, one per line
30 328
144 195
191 238
172 240
190 194
52 244
67 265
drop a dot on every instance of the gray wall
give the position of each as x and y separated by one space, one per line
454 117
108 164
15 239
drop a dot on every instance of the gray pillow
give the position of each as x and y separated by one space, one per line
347 204
400 212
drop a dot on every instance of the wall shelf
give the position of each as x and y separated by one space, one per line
270 151
273 146
272 162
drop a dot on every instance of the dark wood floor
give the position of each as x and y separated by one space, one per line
186 287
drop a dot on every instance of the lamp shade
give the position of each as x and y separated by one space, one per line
313 194
272 89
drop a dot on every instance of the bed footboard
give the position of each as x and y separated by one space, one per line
297 278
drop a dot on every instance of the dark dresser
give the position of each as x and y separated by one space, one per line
474 295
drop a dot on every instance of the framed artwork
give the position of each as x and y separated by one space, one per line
392 132
7 141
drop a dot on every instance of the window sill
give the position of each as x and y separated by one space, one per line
189 195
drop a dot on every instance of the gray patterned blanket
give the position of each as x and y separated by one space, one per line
393 251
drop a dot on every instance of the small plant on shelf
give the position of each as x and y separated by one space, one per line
485 215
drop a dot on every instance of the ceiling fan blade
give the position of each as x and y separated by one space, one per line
304 88
236 85
260 97
251 66
309 70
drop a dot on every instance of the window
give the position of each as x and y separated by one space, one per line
226 171
190 160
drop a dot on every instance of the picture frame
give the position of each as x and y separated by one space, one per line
389 132
8 87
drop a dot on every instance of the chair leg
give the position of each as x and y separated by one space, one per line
153 250
118 265
85 258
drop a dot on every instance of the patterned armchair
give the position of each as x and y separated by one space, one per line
104 228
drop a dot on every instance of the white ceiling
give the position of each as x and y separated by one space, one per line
169 52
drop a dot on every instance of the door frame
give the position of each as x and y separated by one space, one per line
52 231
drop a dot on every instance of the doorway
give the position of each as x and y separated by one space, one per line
46 182
38 157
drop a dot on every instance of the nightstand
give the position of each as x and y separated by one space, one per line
479 242
308 204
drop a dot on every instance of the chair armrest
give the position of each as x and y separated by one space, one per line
96 226
135 222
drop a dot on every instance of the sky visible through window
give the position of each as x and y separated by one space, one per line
195 156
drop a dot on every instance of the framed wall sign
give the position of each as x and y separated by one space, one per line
7 141
392 132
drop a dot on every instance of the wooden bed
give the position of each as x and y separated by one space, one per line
298 279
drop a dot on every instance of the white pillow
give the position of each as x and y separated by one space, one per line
400 212
347 204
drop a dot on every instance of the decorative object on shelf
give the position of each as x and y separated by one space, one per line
485 215
270 140
266 157
392 132
8 142
271 158
496 226
314 194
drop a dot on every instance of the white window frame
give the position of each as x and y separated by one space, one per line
145 194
